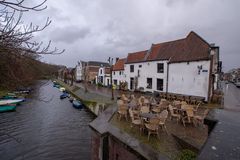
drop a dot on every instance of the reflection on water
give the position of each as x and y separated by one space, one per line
45 128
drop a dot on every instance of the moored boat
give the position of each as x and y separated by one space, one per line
77 104
11 101
7 108
64 95
62 89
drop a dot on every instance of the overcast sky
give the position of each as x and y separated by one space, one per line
97 29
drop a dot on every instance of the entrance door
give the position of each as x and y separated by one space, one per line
131 83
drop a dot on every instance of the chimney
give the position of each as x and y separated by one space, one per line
117 59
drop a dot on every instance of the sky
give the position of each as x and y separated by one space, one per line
98 29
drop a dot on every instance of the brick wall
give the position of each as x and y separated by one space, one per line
120 151
95 144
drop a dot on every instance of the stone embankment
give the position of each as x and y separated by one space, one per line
93 100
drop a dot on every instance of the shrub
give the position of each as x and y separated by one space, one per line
186 155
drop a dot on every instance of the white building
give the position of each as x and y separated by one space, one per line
79 71
103 76
118 75
187 66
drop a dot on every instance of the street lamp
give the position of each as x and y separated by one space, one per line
110 61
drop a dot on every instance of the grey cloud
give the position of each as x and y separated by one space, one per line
117 27
69 34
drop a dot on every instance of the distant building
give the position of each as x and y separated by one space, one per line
79 71
118 75
92 69
103 76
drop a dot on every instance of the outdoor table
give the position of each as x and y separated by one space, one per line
148 115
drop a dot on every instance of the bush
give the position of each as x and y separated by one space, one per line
186 155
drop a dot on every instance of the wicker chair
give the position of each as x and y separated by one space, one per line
122 111
199 119
163 117
144 109
135 120
152 126
188 118
173 114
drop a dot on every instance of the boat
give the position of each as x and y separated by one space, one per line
56 85
64 95
77 104
62 89
7 108
11 101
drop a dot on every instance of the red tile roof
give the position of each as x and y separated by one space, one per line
136 57
191 48
119 65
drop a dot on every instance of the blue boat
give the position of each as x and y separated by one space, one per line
77 104
64 95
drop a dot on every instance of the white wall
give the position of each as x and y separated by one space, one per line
79 72
184 78
148 70
119 77
106 77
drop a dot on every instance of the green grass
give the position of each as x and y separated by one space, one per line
3 92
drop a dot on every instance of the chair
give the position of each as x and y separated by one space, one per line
173 114
135 120
152 126
124 98
120 102
163 116
122 112
195 108
199 119
188 118
144 109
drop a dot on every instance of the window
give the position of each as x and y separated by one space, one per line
140 66
131 68
100 71
114 73
115 81
160 84
120 72
149 83
160 68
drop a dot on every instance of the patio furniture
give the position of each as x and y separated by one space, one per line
199 119
144 109
122 112
173 114
195 107
124 98
120 102
188 118
163 116
133 104
152 126
148 115
136 120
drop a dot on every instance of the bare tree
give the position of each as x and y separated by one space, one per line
15 36
18 50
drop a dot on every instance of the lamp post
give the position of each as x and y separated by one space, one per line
110 61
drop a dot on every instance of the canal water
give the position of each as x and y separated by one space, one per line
45 127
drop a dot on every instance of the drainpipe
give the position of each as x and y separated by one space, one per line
210 91
167 78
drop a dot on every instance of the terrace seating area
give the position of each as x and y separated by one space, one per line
152 116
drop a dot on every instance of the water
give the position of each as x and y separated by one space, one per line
45 127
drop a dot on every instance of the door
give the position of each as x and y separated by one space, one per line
131 83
